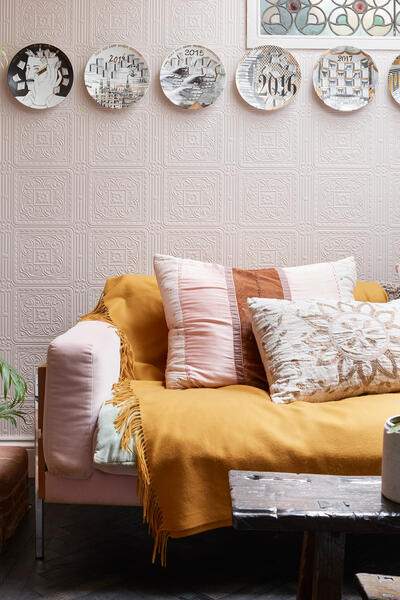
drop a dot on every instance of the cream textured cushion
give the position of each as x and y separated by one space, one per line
319 350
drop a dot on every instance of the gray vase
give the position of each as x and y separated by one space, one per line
391 461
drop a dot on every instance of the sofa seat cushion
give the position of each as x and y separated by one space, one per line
108 456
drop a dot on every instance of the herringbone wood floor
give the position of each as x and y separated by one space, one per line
104 553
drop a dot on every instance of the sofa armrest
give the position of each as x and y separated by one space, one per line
82 366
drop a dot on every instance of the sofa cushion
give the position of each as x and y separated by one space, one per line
108 455
370 291
319 350
210 342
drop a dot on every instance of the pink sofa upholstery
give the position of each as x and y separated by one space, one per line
82 366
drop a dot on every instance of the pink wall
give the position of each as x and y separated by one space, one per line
227 183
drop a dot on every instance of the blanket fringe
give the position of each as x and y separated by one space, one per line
129 422
100 313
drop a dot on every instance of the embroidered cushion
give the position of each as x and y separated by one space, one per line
319 350
210 340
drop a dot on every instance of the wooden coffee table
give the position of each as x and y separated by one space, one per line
378 587
325 507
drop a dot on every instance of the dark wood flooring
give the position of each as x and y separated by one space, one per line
104 553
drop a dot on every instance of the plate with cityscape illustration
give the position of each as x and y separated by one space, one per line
40 76
394 79
268 77
117 76
192 77
345 78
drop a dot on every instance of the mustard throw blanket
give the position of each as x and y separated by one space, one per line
187 440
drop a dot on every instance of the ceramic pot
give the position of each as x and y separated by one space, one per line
391 461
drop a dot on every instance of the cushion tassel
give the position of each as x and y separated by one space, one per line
127 357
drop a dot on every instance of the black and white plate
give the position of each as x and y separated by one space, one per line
192 77
117 76
40 76
268 77
345 78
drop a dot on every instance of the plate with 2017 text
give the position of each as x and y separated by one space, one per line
345 78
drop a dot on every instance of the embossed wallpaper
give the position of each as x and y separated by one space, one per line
87 192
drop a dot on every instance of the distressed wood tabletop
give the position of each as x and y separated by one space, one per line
290 501
378 587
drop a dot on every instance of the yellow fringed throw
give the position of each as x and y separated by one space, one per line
187 440
132 305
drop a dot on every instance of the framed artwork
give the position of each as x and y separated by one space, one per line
268 77
371 24
345 78
40 76
117 76
192 77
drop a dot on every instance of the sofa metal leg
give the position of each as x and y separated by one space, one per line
39 502
39 527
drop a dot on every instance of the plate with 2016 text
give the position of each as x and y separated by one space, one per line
268 77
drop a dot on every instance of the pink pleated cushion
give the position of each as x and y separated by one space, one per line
210 339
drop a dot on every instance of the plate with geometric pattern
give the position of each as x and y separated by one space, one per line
345 78
117 76
394 79
268 77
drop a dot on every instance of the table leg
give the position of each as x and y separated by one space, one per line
321 566
306 571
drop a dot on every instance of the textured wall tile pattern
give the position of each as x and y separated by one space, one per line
88 193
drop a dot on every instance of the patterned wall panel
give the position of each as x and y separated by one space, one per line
88 193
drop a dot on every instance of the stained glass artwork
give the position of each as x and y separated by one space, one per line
329 18
192 77
117 76
40 76
345 78
268 77
394 79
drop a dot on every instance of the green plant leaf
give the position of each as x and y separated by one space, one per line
6 380
12 382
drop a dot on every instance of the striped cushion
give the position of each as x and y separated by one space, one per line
210 340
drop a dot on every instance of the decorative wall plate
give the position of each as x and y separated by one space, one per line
117 76
192 77
40 76
394 79
345 78
268 77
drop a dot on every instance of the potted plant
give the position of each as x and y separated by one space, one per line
14 461
14 392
